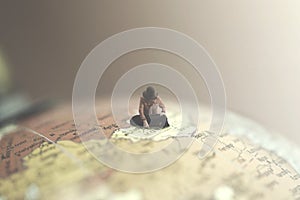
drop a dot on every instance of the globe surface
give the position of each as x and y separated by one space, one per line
42 157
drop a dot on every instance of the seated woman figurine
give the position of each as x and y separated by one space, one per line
152 111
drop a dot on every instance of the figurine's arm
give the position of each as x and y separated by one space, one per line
161 104
141 109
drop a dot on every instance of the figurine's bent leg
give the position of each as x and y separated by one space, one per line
165 119
159 121
137 120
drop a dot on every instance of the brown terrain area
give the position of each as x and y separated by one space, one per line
50 126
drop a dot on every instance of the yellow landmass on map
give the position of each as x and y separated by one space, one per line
50 170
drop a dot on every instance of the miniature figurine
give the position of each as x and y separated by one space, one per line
151 111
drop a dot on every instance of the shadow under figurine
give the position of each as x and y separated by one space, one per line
151 111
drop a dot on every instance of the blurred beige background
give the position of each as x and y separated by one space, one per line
256 45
